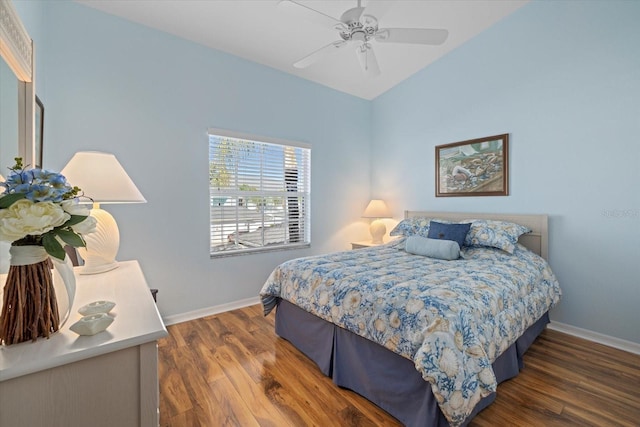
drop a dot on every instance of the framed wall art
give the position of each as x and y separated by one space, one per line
477 167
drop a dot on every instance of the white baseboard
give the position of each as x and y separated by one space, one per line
196 314
630 346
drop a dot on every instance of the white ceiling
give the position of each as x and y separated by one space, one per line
260 31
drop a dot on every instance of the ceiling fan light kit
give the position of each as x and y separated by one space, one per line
359 28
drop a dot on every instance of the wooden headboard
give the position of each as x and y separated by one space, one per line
536 241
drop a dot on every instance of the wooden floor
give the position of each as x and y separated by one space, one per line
232 370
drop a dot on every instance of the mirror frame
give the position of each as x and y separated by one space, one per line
16 48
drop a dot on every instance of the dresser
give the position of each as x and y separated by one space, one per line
108 379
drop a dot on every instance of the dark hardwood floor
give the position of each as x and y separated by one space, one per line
232 370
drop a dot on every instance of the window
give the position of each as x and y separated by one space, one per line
259 192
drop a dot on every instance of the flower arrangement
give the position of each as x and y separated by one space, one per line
38 207
39 214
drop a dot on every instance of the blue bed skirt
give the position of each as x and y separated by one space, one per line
383 377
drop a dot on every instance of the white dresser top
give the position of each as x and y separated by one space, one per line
137 321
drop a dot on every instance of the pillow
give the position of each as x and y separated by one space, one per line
432 248
496 234
455 232
411 226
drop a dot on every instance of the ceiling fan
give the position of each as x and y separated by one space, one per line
358 28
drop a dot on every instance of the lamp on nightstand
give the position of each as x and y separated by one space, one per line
104 180
377 209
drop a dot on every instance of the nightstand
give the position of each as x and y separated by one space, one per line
364 244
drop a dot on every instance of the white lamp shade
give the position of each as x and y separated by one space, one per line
101 178
377 209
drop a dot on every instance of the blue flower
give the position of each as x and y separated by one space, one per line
19 188
58 181
17 178
38 185
44 193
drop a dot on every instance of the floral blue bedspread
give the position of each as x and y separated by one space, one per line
451 318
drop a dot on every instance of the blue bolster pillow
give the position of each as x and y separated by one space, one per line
433 248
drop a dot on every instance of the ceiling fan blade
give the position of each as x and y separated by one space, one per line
412 35
368 60
320 53
352 15
377 8
304 12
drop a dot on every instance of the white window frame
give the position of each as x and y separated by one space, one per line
229 219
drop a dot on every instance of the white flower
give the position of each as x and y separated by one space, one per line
25 217
72 207
85 227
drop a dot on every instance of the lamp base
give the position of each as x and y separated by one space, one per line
102 245
377 230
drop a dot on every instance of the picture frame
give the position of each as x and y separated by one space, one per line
476 167
39 132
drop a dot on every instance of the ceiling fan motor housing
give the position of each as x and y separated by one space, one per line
356 26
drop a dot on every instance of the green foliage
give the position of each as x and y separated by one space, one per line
75 219
229 152
52 246
71 238
9 199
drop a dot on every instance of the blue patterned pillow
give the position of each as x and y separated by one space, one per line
496 234
411 226
455 232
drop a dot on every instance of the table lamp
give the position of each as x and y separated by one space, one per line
103 180
377 209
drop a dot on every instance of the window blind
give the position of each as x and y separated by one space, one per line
259 194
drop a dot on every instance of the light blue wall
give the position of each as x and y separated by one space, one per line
563 79
149 98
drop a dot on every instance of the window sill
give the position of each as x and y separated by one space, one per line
253 251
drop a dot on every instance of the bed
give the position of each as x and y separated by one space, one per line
425 339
